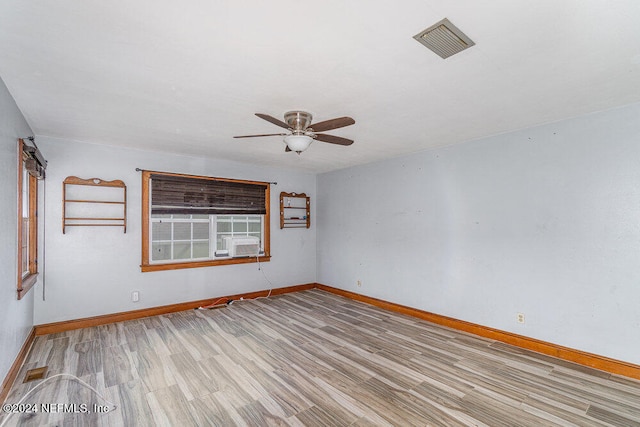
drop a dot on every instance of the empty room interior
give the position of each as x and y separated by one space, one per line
341 213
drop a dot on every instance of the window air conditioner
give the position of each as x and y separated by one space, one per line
248 246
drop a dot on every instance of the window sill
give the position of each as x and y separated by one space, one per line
209 263
26 283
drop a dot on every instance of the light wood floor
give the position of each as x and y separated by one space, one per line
313 358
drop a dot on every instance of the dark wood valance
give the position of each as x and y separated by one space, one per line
173 194
34 161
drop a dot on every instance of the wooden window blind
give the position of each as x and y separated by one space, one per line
172 194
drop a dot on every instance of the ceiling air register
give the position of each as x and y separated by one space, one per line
444 38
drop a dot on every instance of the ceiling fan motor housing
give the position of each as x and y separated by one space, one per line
298 120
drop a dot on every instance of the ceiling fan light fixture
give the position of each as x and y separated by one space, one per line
298 143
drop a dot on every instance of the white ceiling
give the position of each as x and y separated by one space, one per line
185 76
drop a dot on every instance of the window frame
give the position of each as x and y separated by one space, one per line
148 265
26 281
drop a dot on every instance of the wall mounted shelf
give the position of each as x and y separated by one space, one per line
93 202
295 210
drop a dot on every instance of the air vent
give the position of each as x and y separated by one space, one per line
444 38
35 374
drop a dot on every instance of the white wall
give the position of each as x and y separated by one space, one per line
16 317
93 270
543 221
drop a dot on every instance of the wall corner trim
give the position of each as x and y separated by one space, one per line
17 364
583 358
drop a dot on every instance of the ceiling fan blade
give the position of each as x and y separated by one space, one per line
340 122
264 134
332 139
273 120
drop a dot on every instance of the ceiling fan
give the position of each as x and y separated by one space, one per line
302 132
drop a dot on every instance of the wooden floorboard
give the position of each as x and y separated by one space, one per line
309 358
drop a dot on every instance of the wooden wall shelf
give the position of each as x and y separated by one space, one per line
93 202
295 210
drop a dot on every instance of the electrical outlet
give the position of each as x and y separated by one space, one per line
359 283
520 317
135 296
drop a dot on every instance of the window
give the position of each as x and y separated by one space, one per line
180 237
236 226
187 220
189 237
31 166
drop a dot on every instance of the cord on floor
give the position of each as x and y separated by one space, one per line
73 377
